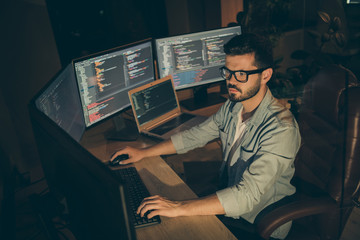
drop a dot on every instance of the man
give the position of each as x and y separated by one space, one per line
260 139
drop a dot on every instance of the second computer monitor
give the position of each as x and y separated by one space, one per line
60 101
105 78
193 59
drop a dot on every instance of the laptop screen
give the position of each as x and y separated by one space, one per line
154 102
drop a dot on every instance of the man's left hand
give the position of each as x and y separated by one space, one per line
158 205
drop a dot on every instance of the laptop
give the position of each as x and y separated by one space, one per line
157 111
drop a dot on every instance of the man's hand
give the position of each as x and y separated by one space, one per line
135 155
157 205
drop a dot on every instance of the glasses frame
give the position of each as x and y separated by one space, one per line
260 70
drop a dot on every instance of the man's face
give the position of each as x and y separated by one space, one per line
239 92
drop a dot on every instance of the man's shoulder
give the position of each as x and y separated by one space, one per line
280 127
280 113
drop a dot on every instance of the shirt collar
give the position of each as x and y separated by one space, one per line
257 118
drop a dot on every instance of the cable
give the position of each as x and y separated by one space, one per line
129 114
43 191
35 235
61 225
37 181
30 184
62 234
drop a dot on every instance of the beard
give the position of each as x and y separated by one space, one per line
246 95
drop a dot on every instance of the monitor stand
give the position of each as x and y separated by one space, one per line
124 130
202 99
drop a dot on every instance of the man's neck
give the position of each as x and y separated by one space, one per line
252 103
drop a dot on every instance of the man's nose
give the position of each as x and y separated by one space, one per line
232 80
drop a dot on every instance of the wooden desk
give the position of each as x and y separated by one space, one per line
160 179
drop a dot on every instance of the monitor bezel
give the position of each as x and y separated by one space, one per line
349 2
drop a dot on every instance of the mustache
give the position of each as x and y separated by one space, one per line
229 85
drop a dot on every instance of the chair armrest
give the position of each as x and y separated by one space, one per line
291 211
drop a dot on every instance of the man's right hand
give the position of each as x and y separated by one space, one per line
135 155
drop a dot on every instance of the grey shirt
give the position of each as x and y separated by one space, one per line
262 166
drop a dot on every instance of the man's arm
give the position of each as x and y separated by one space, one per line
157 205
135 154
196 137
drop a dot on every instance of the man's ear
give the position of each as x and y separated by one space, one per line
266 75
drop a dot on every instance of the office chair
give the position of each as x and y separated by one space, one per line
327 165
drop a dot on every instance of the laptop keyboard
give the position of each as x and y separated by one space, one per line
173 123
137 192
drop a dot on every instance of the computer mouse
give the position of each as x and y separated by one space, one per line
118 159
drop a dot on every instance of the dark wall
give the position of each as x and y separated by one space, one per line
28 60
88 26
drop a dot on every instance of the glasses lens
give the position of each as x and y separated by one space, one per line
224 73
240 76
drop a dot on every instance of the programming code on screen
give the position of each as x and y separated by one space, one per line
154 101
193 59
104 80
60 102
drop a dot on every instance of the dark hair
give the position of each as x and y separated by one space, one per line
251 43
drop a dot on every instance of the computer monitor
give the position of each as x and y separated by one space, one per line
105 78
59 100
352 1
194 60
96 200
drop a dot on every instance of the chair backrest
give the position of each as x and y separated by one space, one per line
330 105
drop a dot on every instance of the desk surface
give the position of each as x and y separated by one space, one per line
160 179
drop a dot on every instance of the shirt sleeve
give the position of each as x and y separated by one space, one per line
273 163
200 135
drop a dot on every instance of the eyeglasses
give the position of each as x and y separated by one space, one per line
240 75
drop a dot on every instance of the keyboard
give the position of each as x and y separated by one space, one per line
137 192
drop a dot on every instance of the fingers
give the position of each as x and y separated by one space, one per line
157 205
146 201
128 161
134 154
121 151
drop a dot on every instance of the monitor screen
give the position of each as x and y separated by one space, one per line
353 1
105 78
193 59
95 200
59 100
154 101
